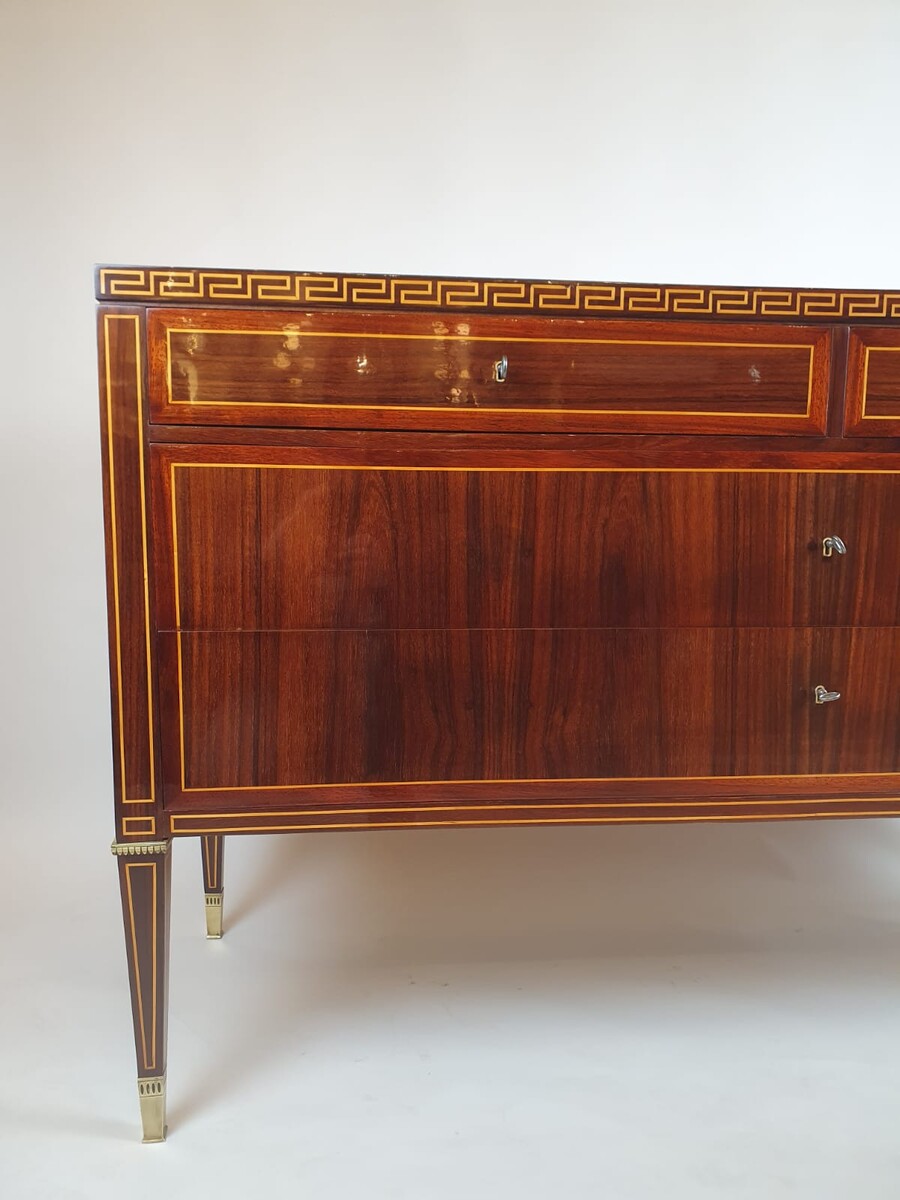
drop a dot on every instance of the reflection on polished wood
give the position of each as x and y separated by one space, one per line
295 546
395 370
268 711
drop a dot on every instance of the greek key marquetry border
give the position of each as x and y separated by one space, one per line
501 295
211 863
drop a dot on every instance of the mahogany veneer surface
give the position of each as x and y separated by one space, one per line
873 385
403 371
418 706
294 544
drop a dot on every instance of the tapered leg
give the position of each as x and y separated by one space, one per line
213 850
144 879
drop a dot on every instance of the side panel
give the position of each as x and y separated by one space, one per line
123 419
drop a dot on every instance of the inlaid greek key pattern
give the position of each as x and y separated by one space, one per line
498 295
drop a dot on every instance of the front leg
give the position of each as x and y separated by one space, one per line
144 880
213 852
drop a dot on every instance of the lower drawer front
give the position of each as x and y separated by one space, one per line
255 714
294 544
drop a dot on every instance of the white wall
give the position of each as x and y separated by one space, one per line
714 141
705 141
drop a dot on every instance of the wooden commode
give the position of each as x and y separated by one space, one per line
395 552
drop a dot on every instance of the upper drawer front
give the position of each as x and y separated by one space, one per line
437 371
873 383
252 539
254 714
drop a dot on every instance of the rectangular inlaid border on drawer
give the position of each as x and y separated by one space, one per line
266 548
429 371
323 713
167 459
873 383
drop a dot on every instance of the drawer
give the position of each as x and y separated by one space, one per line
437 371
873 383
261 713
254 539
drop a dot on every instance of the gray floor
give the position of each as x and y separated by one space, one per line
702 1011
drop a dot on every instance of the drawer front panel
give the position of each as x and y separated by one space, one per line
294 545
396 370
262 713
873 383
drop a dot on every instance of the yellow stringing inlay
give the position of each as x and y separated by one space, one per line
486 470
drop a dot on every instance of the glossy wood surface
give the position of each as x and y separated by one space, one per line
514 534
280 710
289 546
415 371
442 447
145 888
873 383
810 805
122 418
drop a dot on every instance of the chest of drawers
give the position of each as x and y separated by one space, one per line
397 552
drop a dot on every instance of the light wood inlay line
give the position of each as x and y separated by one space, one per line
491 806
455 782
149 1060
375 825
598 411
114 540
869 350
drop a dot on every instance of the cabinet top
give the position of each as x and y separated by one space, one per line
304 289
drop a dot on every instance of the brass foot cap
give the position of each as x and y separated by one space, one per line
213 914
152 1095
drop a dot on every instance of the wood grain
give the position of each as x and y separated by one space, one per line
287 547
122 412
279 710
414 371
873 383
